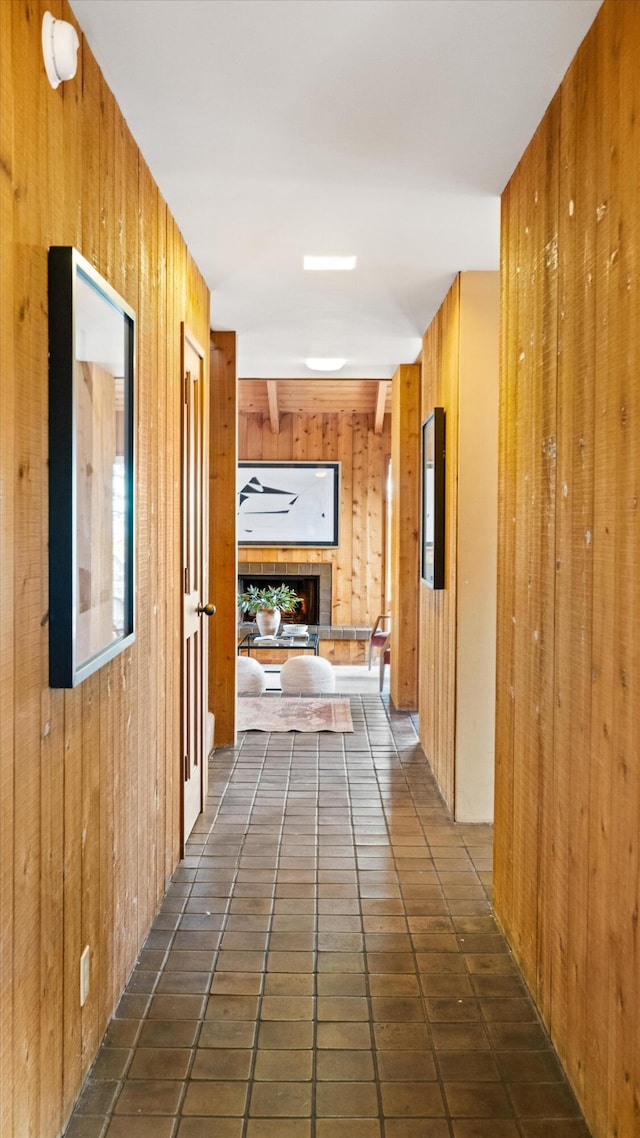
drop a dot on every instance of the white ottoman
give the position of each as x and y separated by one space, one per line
251 677
308 674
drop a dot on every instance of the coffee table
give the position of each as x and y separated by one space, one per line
253 642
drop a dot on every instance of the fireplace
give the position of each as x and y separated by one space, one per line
306 610
312 584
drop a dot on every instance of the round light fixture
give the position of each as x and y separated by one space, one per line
60 45
324 363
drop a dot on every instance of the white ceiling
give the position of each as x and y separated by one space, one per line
384 128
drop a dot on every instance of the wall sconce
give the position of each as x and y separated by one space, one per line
60 45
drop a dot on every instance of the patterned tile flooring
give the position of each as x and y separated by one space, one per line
325 964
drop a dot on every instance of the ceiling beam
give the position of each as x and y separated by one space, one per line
381 399
272 396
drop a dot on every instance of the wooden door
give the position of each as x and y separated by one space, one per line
195 581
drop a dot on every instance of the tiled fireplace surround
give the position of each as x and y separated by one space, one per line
326 630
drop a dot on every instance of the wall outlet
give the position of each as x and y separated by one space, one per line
85 975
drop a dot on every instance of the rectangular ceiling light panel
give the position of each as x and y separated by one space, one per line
328 264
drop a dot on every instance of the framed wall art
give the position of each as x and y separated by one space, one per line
433 498
91 477
288 503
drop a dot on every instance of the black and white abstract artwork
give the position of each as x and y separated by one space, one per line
288 503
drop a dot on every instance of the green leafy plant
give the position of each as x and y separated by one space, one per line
270 597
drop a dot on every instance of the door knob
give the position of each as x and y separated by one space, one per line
208 609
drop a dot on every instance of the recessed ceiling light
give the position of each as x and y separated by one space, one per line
328 264
325 363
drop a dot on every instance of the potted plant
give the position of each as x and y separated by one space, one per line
267 604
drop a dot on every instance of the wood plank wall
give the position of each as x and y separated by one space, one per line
223 559
405 534
568 697
437 679
89 787
358 562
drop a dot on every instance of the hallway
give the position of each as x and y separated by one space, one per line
325 964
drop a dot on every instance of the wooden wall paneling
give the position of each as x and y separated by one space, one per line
529 630
164 758
90 919
255 437
300 447
521 473
314 435
30 340
270 446
128 205
574 496
78 823
116 965
343 581
406 476
285 438
71 816
51 142
90 169
171 569
223 559
615 515
359 519
176 253
73 1069
375 483
329 443
164 527
603 649
102 959
144 505
546 334
624 329
242 435
7 581
91 759
586 949
556 825
507 455
155 678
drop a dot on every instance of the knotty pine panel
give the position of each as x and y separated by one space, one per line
89 778
358 562
405 534
7 590
223 557
567 778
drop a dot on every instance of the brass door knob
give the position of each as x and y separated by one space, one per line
208 609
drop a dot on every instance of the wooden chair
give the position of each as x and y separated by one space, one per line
379 635
385 657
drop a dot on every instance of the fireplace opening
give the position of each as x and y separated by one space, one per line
306 588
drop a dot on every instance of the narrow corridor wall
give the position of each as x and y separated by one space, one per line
457 623
568 688
89 778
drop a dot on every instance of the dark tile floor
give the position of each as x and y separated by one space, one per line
325 964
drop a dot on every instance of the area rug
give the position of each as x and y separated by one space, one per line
266 713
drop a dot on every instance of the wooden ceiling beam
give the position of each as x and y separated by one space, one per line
381 400
272 397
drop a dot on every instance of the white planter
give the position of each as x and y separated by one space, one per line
268 621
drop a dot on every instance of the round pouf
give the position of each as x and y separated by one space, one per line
308 674
251 677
